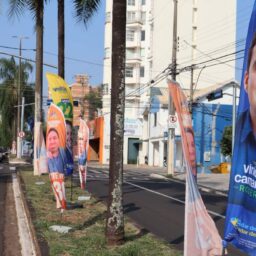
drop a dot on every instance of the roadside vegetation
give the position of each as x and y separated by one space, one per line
88 224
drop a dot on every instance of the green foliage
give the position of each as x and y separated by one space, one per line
9 83
94 100
88 225
226 141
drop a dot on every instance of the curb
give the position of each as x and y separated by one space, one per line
200 186
27 232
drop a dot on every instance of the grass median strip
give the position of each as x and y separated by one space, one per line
88 224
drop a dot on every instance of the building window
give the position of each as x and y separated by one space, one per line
131 16
155 119
105 89
129 72
142 71
107 52
143 17
142 52
131 2
130 35
142 35
130 54
143 2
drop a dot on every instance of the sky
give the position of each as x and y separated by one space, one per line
85 45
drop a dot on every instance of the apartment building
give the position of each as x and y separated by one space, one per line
206 45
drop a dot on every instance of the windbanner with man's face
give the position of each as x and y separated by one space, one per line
201 236
55 148
61 96
240 225
83 146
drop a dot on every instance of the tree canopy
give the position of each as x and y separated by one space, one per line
226 141
9 81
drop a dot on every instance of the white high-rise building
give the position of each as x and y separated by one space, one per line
206 33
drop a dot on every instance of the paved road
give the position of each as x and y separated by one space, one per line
9 237
157 205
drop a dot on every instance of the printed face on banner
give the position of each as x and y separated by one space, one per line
240 223
56 140
250 83
53 143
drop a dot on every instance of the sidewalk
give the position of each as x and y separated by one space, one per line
211 182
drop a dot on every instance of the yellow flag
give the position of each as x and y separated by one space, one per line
61 95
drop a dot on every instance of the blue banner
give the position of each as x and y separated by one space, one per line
240 228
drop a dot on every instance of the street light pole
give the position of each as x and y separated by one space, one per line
171 110
19 97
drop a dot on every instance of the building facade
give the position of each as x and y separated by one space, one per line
206 36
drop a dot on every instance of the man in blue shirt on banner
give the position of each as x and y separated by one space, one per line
240 227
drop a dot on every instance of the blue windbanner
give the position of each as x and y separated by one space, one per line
240 226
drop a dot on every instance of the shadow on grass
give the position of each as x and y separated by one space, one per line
92 221
142 233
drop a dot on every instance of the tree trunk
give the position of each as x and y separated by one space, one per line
61 38
115 217
39 60
39 63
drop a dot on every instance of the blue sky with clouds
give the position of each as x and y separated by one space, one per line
84 47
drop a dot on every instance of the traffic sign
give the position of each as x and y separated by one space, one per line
172 121
21 134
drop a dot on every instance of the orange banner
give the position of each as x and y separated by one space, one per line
184 117
56 155
201 236
58 187
83 145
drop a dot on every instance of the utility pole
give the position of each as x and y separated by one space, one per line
234 116
191 89
22 122
171 133
19 97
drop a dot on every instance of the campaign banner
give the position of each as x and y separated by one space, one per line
201 236
40 159
240 225
61 96
56 155
58 187
83 146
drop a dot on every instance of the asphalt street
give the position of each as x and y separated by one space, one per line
157 206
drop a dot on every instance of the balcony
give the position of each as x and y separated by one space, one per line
133 58
134 19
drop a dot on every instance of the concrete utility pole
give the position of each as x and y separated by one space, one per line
191 89
19 97
171 133
234 116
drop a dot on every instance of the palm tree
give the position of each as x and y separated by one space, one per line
36 7
9 76
84 10
115 217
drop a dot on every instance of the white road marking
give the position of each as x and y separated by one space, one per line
170 197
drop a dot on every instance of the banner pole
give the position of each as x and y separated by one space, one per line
71 188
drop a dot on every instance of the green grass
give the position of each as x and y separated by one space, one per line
88 225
